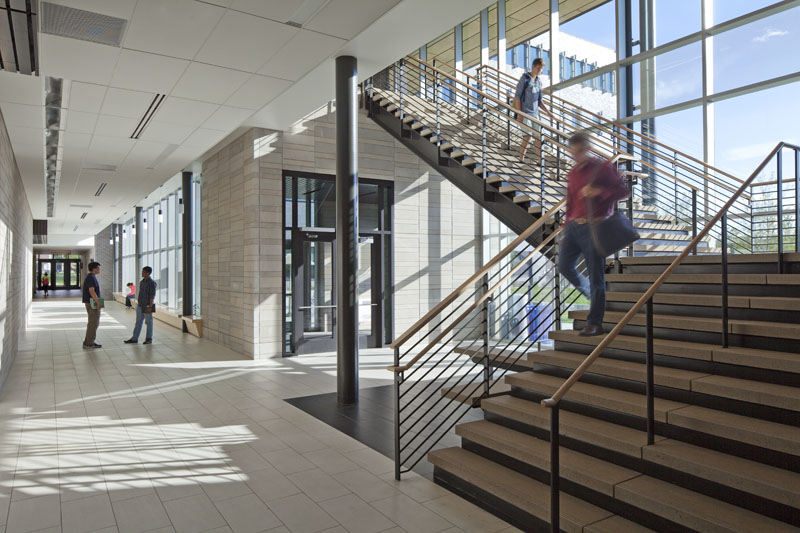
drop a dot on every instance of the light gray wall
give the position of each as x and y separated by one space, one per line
16 255
436 235
104 254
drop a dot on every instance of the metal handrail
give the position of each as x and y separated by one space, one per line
509 82
590 359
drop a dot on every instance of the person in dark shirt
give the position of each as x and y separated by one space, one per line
91 294
598 182
144 308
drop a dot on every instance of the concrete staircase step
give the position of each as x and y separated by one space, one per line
781 330
693 510
752 357
709 279
471 393
762 480
580 468
595 395
517 489
668 377
620 439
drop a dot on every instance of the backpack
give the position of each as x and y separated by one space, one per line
528 78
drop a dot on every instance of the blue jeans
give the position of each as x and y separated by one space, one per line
577 242
141 316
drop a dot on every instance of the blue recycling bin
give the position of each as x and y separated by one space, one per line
540 320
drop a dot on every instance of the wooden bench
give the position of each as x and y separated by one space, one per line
119 297
194 324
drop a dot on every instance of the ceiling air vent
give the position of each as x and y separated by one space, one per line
100 189
148 115
82 25
84 215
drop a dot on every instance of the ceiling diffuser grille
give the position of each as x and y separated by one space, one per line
82 25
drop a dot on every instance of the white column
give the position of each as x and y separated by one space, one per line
555 44
501 35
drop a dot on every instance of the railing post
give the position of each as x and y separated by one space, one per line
483 141
724 279
487 370
629 183
397 380
694 218
557 291
797 200
371 96
675 181
436 97
555 481
400 92
651 430
508 127
780 210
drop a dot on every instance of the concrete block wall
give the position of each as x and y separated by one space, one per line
103 254
436 232
16 256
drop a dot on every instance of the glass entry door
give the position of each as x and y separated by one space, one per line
315 294
64 274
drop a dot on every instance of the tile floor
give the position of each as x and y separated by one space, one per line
184 435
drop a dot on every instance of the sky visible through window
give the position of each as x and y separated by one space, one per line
746 127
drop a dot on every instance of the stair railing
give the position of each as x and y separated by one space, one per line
646 300
692 183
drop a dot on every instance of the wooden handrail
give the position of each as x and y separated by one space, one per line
624 128
576 375
438 308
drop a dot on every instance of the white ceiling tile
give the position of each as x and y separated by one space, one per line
347 18
227 118
280 10
175 28
121 9
166 132
242 41
257 92
305 51
23 115
81 122
204 138
209 83
183 111
222 3
106 150
27 143
144 153
76 60
21 89
125 103
151 73
115 126
75 142
86 97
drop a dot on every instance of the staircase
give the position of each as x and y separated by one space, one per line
684 417
727 452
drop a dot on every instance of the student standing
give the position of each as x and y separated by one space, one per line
91 294
593 187
145 308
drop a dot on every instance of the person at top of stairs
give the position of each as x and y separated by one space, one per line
528 100
599 181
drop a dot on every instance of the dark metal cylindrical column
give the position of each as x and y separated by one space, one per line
186 246
137 243
346 229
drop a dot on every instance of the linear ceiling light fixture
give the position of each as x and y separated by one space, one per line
53 123
158 99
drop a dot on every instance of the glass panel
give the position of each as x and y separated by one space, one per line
725 10
669 78
675 19
163 227
364 277
757 51
493 32
525 19
368 212
59 282
740 153
471 38
316 203
74 273
442 50
591 37
317 305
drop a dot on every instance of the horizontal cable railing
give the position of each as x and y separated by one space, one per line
646 300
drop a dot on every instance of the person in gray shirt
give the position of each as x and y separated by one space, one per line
528 100
145 307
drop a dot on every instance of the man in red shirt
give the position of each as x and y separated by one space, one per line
593 187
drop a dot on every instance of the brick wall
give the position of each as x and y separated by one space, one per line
436 235
16 255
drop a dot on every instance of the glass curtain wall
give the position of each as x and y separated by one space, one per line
162 226
128 257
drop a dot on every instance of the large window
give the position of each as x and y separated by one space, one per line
161 249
